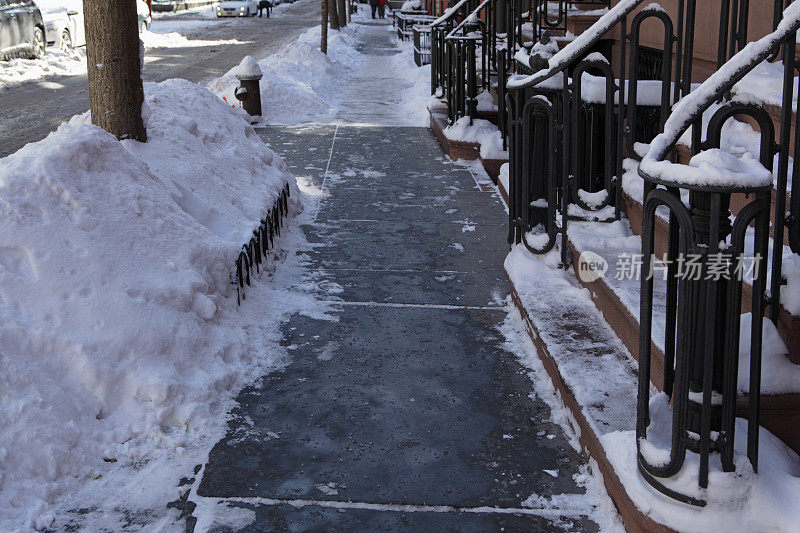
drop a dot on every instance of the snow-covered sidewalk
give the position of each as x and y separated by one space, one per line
366 78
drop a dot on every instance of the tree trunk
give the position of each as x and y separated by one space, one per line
342 9
114 62
333 14
323 45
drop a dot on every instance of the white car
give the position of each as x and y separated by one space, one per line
238 8
63 23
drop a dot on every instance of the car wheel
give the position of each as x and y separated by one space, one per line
38 44
66 41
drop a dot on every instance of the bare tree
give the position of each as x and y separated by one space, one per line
323 45
333 15
113 56
342 10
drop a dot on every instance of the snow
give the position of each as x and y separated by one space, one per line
598 372
300 83
121 338
737 501
596 500
765 83
567 55
54 63
162 34
503 177
154 40
248 69
700 99
481 132
778 374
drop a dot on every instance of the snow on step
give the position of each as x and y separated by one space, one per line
615 243
592 360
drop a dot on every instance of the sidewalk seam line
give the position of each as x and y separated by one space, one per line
423 306
409 508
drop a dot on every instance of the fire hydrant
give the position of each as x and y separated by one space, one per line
249 91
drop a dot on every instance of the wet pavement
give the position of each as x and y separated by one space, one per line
405 413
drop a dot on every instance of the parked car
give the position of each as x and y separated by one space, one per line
63 23
238 8
21 29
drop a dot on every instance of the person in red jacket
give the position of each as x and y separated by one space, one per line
382 8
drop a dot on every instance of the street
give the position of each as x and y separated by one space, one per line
32 110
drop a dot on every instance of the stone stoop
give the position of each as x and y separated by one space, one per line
459 149
780 413
583 424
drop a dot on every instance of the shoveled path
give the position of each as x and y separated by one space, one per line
405 413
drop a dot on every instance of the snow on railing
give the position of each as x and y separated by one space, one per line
449 13
472 17
579 46
687 111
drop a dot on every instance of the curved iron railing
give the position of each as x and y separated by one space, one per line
599 119
260 244
703 320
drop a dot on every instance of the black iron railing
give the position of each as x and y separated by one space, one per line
407 20
572 120
261 244
422 44
595 118
703 312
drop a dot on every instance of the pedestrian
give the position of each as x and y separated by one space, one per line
382 8
262 5
374 5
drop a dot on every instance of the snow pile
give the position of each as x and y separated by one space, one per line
765 82
301 83
412 5
416 95
52 6
118 325
54 63
482 132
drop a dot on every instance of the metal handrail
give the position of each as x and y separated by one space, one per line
563 59
472 17
690 108
450 13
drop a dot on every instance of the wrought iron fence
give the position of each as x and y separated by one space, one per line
257 250
703 327
571 122
422 45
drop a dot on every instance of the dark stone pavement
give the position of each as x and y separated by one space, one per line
409 398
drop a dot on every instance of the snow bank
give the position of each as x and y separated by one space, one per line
301 83
54 63
118 333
